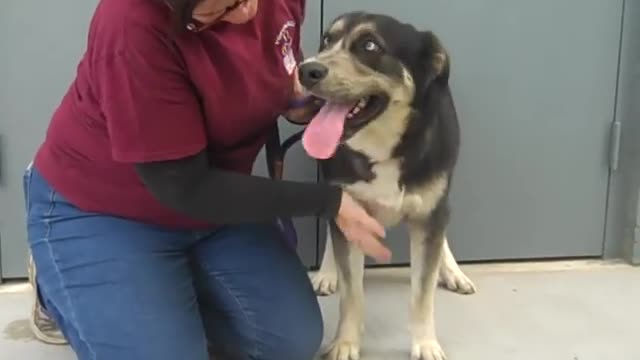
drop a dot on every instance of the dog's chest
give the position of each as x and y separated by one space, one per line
383 196
377 186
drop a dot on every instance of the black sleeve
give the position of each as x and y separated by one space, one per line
191 187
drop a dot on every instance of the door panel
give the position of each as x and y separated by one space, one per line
38 63
298 166
534 83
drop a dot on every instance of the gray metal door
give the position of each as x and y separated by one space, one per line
41 44
298 166
534 83
37 62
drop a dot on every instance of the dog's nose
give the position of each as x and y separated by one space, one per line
311 73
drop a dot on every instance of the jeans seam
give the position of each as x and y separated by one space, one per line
243 310
58 272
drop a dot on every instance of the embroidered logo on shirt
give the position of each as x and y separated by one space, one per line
284 42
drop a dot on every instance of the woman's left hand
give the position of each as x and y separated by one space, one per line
303 107
302 114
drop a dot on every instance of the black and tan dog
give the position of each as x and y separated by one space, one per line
389 135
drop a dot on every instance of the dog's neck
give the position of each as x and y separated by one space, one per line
378 139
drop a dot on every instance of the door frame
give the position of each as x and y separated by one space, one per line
621 233
622 228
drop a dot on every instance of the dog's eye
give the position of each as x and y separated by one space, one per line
371 46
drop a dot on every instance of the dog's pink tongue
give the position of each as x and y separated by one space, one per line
322 136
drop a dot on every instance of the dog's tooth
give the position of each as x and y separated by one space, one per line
349 115
356 110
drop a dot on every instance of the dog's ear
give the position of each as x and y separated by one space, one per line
436 59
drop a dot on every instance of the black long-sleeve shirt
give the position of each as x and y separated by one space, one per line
191 187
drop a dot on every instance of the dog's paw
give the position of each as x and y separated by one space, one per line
343 350
325 283
427 350
456 281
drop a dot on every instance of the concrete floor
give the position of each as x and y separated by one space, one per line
539 311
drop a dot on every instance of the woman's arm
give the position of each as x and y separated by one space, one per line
190 186
155 123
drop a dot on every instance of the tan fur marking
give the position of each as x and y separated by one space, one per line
378 138
362 28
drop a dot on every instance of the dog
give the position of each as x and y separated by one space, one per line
388 134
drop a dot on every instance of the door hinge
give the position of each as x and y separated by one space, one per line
614 145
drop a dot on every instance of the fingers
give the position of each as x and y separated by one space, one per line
372 247
370 243
301 114
374 225
362 229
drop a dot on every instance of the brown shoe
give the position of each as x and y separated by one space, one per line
42 325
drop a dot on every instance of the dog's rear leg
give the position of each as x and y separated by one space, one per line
427 241
350 265
325 281
451 276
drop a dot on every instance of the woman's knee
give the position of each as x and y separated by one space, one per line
263 308
275 333
299 338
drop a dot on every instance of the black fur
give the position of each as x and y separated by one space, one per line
423 149
432 139
347 166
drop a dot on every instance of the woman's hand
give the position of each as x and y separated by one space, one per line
303 113
362 229
303 106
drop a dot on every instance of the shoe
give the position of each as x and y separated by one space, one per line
42 325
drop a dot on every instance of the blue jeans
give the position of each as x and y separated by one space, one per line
120 289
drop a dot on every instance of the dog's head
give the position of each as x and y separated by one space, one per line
370 68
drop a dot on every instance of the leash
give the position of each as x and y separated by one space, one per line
275 152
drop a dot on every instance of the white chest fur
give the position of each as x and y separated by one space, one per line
390 203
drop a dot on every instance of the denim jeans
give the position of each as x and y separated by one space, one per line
120 289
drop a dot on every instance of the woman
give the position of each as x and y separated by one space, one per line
150 238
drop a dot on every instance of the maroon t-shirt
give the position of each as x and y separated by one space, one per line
141 95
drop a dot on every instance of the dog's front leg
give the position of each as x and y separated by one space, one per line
325 281
426 254
350 264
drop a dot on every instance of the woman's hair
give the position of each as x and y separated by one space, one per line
182 13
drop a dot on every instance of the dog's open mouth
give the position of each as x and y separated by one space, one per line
324 133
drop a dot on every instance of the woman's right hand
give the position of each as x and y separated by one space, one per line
362 229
